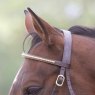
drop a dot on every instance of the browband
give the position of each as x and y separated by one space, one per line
37 58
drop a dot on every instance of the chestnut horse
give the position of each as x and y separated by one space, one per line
38 78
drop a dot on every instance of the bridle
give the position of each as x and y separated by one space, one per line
64 64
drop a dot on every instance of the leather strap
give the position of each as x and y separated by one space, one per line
67 58
65 68
71 91
67 47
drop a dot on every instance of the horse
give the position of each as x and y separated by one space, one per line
40 72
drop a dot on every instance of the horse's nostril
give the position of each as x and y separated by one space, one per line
32 90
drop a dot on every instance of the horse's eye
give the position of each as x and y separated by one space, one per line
32 90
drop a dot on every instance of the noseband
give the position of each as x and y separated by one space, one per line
64 64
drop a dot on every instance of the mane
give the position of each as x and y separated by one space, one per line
78 30
83 31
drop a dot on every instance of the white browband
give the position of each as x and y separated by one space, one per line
37 58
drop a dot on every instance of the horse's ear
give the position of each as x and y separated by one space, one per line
29 22
42 28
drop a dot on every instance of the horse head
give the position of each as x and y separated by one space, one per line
37 78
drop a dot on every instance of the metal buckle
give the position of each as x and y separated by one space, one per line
60 80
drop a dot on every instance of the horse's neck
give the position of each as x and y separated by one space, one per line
83 62
84 50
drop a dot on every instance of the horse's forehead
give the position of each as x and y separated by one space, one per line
38 48
45 51
32 67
